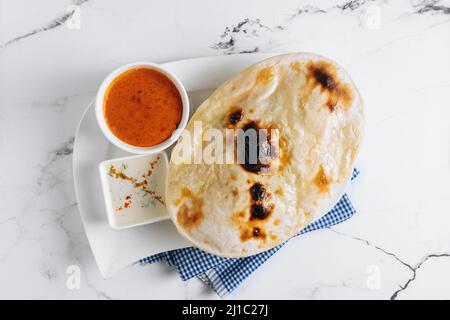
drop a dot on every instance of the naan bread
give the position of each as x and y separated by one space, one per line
235 210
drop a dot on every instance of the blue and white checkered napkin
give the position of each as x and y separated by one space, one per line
224 275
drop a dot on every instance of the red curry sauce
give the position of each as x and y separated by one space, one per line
142 107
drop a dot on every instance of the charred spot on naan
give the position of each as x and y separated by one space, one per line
248 229
322 181
256 233
260 211
265 75
324 74
260 208
233 117
266 160
251 224
258 192
190 216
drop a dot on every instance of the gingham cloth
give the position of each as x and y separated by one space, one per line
224 275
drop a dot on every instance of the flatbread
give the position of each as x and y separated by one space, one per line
237 210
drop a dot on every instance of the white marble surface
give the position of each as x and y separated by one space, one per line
401 233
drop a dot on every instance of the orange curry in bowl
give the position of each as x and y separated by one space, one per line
142 107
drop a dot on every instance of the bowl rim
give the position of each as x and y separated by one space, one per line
99 103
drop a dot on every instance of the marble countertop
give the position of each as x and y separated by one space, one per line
54 54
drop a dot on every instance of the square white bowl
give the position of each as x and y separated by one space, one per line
143 207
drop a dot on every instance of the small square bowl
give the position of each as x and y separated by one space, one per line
133 188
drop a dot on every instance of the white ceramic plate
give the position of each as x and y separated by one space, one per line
116 249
